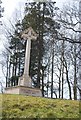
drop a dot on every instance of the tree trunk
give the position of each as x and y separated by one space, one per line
7 71
62 68
39 53
75 78
60 83
67 78
52 71
42 82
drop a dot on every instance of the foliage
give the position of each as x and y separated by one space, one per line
19 106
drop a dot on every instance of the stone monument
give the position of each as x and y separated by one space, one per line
25 82
28 35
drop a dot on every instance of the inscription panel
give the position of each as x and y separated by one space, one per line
29 91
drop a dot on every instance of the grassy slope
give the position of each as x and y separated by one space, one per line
34 107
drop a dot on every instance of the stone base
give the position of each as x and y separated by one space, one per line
25 80
23 90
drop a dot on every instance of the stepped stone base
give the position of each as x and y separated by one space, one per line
23 90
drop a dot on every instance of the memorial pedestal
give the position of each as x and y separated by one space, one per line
24 87
23 90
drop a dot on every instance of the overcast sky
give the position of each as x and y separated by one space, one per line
11 5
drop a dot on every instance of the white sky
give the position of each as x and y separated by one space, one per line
11 5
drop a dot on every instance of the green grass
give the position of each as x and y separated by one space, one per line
19 106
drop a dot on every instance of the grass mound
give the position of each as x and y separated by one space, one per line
19 106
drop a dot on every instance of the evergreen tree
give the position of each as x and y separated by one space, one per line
16 58
40 17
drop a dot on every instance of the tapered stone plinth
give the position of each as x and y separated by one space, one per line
25 80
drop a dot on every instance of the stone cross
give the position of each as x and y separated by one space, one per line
28 35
